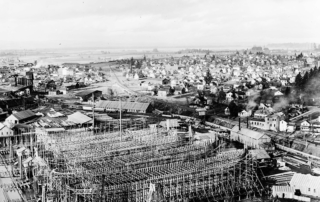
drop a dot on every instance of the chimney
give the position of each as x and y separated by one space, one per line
247 122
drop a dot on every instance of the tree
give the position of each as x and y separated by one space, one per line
171 90
221 96
213 57
155 90
140 74
234 109
138 65
311 73
208 78
298 81
110 92
305 80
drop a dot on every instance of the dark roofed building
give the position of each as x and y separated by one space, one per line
20 117
86 94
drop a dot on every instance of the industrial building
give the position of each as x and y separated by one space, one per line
137 107
249 137
88 94
20 117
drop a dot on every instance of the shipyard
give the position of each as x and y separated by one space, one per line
144 102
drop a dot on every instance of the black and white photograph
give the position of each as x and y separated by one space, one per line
159 100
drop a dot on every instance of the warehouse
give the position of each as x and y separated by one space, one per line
137 107
249 137
307 184
20 117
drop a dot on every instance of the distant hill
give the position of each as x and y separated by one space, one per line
299 46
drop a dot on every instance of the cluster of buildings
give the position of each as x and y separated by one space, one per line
253 82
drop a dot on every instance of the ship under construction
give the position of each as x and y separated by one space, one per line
141 164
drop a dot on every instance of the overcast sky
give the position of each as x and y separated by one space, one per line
156 23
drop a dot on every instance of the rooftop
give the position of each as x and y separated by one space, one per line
86 92
79 118
124 105
24 115
248 132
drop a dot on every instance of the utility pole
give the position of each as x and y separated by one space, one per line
120 121
93 112
102 188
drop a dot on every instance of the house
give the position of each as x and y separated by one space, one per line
229 96
249 137
305 125
245 113
273 122
291 127
5 131
162 93
5 135
278 93
307 184
52 93
165 81
227 111
20 117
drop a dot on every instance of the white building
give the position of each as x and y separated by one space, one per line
245 113
261 114
283 126
282 191
5 131
162 93
20 117
307 184
65 71
291 127
259 123
273 122
305 126
249 137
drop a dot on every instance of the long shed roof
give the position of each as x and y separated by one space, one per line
24 114
124 105
305 180
86 92
248 132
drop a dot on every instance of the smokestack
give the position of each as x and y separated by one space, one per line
239 124
247 122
